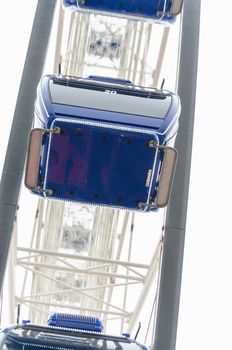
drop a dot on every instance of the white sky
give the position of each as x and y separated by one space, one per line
206 298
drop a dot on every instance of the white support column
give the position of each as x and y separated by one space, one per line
152 271
157 70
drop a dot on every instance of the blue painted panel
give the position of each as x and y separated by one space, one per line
152 9
98 165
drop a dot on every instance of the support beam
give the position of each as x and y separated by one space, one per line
171 269
23 116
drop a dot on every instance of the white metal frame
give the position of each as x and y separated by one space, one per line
104 264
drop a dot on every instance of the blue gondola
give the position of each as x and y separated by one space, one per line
159 10
81 336
103 141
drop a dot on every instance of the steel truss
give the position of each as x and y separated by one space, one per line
104 277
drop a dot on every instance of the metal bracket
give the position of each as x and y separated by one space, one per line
153 144
166 175
143 205
33 159
45 191
54 130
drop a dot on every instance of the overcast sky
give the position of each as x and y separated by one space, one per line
206 306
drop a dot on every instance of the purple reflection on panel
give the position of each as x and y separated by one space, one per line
69 157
